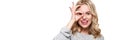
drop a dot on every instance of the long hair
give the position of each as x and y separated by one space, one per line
94 26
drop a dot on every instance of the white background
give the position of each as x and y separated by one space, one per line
43 19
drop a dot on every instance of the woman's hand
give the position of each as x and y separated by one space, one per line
73 17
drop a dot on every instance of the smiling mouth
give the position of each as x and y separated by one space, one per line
84 22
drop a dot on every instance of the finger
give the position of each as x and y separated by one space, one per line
70 9
77 7
72 3
72 12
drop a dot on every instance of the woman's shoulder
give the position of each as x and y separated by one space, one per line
100 38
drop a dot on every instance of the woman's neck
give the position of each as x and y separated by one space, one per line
83 31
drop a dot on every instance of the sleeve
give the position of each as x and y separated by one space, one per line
102 37
65 34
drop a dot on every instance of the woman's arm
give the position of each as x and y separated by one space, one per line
65 34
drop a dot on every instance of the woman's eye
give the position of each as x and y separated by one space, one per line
79 13
88 13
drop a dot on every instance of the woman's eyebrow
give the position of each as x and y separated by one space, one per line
88 12
81 12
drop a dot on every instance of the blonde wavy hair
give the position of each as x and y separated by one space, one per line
94 26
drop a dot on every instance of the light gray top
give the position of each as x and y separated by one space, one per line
66 34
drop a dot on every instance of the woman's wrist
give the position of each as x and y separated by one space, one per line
70 24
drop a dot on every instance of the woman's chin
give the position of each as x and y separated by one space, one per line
84 26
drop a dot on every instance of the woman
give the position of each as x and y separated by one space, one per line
83 24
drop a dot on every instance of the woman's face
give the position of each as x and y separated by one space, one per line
84 16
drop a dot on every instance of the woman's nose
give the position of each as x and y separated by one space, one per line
83 16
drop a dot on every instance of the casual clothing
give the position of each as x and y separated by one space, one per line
66 34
